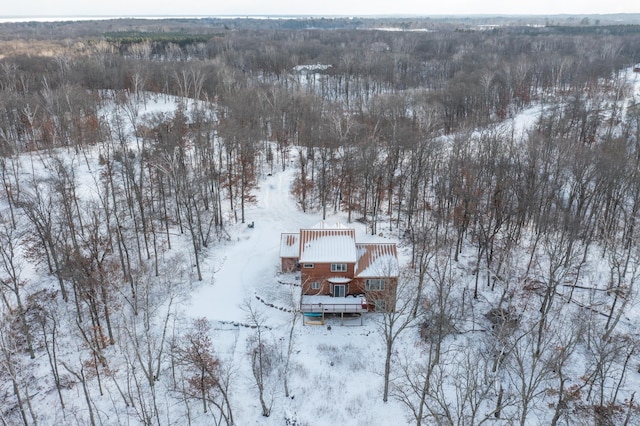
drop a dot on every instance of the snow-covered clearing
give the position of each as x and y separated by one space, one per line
336 369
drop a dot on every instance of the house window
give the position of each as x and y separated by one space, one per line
339 290
315 285
338 267
307 265
374 285
381 305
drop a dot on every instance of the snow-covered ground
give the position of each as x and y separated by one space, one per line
249 262
336 369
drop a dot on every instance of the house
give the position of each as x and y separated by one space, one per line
636 67
338 273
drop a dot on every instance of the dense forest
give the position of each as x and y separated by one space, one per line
406 126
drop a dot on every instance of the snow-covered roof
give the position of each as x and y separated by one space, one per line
311 67
377 260
339 280
328 245
289 245
324 225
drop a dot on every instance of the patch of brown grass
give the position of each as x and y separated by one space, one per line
48 48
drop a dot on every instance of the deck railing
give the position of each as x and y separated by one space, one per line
333 308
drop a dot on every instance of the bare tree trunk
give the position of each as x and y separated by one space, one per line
81 377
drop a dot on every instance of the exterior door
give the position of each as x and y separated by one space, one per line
338 291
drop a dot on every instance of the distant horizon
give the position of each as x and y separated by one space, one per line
38 9
71 17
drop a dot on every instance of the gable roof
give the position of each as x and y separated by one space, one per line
377 260
328 245
289 245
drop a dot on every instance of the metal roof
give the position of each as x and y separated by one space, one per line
328 245
289 245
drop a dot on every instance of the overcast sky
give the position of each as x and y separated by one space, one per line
310 7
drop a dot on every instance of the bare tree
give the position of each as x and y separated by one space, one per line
529 368
567 339
262 354
13 371
291 342
12 264
38 206
144 341
46 316
396 301
81 376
